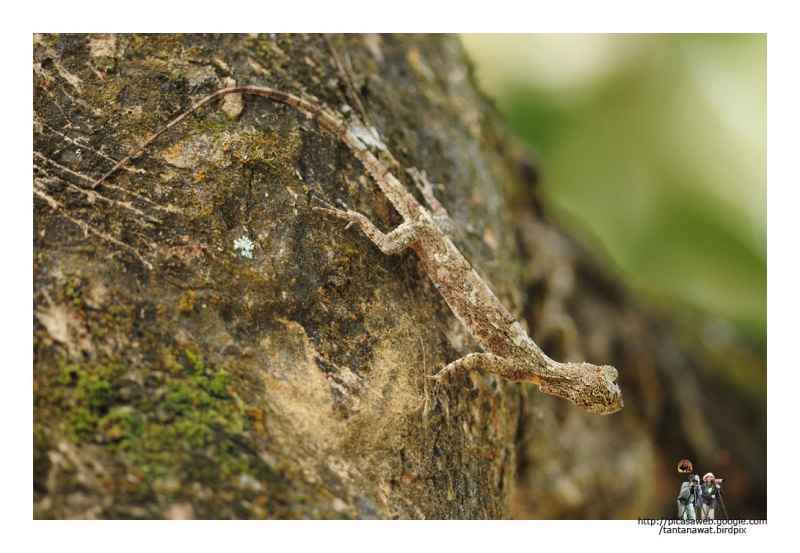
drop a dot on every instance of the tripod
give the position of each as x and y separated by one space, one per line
705 508
724 510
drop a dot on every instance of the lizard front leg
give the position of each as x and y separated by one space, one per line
395 241
486 361
489 362
591 387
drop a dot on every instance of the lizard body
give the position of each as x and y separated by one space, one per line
508 350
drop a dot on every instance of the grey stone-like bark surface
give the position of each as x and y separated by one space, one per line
176 377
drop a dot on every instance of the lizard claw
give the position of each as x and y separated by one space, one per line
420 179
330 209
439 382
325 206
442 375
437 400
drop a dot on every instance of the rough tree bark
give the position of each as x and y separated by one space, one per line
176 377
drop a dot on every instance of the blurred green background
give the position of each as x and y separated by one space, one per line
652 150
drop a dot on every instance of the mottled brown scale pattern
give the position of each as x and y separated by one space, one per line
508 350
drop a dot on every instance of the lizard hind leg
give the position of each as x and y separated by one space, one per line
395 241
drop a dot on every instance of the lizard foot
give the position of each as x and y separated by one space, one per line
438 211
440 381
346 213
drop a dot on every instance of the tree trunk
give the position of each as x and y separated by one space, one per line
207 345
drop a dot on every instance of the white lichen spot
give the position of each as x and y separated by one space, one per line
244 246
248 482
368 136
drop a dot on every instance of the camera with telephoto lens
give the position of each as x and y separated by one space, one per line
719 480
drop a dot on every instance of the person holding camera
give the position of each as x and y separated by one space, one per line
688 497
710 492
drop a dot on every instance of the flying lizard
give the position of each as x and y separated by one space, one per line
508 351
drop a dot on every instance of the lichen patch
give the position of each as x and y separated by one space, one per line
103 44
64 325
244 246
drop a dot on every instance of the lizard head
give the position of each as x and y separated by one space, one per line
591 387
